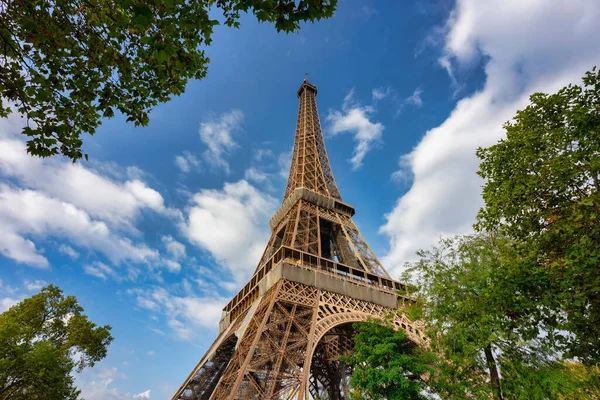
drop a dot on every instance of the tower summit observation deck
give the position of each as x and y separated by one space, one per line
281 336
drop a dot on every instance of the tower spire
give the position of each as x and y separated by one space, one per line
310 167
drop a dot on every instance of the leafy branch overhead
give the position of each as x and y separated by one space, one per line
66 64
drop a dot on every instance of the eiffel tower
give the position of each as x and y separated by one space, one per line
281 336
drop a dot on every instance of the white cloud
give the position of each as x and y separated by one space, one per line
231 224
186 162
134 173
7 302
145 196
185 314
158 331
263 154
16 295
187 286
117 203
381 93
354 118
151 353
216 134
99 270
142 395
68 250
174 248
445 63
34 285
21 250
415 98
256 175
172 266
98 384
72 203
32 213
7 289
147 304
530 46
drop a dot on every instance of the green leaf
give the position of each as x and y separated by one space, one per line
142 16
162 56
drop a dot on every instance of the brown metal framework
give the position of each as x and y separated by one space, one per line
281 336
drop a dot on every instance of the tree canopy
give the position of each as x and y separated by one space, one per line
541 190
385 363
488 333
68 63
42 340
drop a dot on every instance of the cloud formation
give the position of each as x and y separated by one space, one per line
231 224
142 395
25 212
415 98
186 162
174 248
118 203
185 314
80 206
99 270
10 295
524 55
97 384
355 118
216 134
381 93
35 285
68 250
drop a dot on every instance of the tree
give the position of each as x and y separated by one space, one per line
386 365
541 190
68 63
42 340
470 293
457 295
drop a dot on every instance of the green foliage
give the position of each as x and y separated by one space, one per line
42 340
386 365
541 190
554 380
68 63
462 296
492 338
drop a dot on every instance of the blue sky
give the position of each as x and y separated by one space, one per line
166 222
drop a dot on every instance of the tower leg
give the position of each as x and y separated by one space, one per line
269 360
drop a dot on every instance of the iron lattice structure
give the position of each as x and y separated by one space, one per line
281 336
